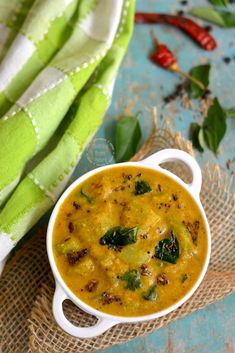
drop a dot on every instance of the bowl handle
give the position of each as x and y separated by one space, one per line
174 155
102 325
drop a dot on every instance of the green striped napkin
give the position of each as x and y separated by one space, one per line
91 55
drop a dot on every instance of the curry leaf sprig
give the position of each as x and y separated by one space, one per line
212 129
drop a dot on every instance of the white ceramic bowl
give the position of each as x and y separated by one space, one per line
105 321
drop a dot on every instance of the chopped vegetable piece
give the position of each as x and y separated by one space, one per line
168 249
119 236
187 247
131 255
151 295
89 198
142 187
132 279
74 256
68 245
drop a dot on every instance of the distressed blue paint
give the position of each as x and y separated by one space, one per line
201 332
143 85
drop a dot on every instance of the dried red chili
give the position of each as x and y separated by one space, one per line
163 57
198 33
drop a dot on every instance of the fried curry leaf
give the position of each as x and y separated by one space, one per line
168 249
214 126
219 17
119 236
89 198
128 135
201 73
197 136
184 277
142 187
132 279
151 295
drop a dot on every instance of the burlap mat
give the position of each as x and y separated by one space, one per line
27 286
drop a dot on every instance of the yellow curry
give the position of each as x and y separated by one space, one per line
129 241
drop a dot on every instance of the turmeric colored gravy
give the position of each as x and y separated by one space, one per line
129 241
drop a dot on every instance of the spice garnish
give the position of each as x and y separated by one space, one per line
91 285
162 279
193 229
74 256
71 227
144 270
108 298
76 205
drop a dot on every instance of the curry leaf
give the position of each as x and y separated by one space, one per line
132 279
142 187
151 295
201 73
197 137
219 17
214 126
128 135
168 249
219 2
89 198
119 236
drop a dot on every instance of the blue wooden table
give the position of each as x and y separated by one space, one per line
139 87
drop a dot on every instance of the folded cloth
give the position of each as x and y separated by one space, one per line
12 15
31 122
45 29
39 190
